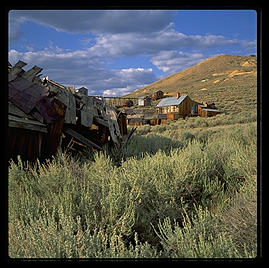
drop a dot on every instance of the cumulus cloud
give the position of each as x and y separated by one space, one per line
117 33
114 92
94 21
174 61
81 68
130 44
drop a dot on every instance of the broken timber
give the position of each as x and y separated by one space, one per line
82 139
43 115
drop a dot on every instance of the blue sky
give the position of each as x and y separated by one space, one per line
114 52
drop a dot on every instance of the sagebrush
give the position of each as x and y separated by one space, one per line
176 193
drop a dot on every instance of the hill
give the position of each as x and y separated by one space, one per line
228 81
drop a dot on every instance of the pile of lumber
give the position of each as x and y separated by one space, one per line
43 115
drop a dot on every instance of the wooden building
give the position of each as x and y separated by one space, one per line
44 115
144 101
175 107
83 90
206 111
35 118
128 103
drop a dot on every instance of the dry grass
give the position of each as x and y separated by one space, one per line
235 89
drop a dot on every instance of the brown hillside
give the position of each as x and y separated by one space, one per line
229 81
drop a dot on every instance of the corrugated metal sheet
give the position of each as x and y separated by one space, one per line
171 101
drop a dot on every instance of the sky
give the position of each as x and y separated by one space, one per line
114 52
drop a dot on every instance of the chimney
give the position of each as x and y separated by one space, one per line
178 95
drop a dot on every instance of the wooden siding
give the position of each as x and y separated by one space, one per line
172 116
183 109
122 121
24 142
204 113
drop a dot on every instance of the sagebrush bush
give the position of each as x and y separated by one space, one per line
73 208
197 238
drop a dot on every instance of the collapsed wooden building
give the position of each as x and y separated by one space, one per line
44 115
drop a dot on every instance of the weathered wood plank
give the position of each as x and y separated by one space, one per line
12 109
81 138
113 126
100 121
11 77
30 74
87 112
68 99
17 122
35 114
70 116
17 68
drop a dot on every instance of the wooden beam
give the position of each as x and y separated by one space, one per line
14 110
87 112
17 68
18 122
81 138
30 74
100 121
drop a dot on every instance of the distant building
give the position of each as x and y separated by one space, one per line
204 110
144 101
128 103
83 90
175 107
181 106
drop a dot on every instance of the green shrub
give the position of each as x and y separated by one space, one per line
197 238
67 207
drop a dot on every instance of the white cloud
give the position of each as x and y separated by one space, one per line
174 61
114 92
130 44
123 33
81 68
14 31
94 21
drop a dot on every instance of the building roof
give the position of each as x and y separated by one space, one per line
171 101
209 109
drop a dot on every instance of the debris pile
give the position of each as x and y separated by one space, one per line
44 115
